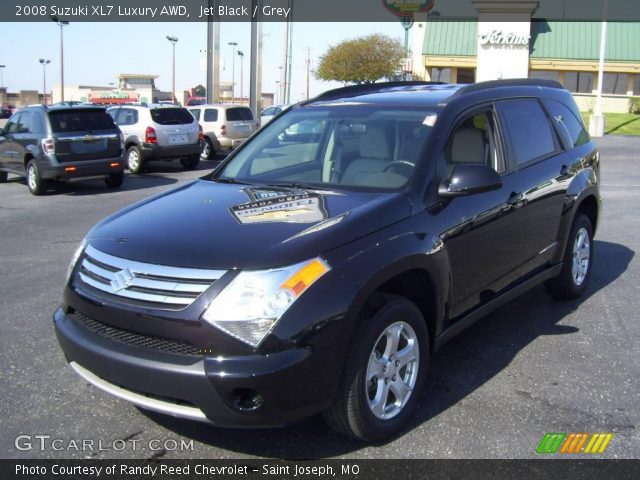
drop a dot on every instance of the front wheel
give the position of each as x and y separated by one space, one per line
190 163
576 264
3 177
385 372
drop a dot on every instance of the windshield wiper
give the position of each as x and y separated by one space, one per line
229 180
302 185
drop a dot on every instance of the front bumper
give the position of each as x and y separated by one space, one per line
152 151
197 387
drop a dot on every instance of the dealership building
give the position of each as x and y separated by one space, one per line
467 50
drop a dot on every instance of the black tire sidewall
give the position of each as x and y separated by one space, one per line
365 424
190 163
114 180
212 152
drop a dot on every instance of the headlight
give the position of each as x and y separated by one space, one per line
250 306
74 259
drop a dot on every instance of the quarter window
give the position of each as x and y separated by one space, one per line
568 123
211 115
529 130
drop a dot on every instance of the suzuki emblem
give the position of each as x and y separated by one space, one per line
123 279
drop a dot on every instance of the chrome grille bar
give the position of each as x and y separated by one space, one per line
146 282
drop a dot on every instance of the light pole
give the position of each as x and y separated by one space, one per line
1 79
233 71
241 55
61 24
44 62
277 88
407 23
173 41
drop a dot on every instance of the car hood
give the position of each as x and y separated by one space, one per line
204 224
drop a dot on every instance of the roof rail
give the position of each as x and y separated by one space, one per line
513 82
366 87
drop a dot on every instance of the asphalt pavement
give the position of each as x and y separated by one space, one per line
537 365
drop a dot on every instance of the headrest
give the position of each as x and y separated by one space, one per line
468 146
374 144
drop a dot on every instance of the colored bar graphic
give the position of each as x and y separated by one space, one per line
574 442
550 443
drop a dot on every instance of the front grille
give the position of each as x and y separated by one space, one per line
173 287
136 339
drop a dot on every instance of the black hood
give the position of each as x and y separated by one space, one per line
223 226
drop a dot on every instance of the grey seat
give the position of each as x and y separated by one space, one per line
467 146
375 154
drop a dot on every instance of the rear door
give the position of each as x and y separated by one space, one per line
239 122
542 165
26 137
82 134
8 146
174 126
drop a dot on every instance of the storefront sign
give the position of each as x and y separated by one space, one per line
406 8
497 37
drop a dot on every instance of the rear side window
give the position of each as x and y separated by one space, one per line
171 116
195 112
127 116
239 114
24 124
80 120
569 125
529 129
211 115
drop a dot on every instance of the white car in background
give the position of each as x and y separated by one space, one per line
268 113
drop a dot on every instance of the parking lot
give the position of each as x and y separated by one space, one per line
534 366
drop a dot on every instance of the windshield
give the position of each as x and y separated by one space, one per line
338 145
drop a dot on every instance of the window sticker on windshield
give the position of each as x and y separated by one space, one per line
430 119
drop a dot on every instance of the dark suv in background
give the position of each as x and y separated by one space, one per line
325 260
61 142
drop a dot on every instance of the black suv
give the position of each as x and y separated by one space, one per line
61 142
322 263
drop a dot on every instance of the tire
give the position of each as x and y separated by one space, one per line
114 180
371 371
190 163
3 177
37 186
208 152
135 163
577 262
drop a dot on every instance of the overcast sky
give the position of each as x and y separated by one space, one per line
96 52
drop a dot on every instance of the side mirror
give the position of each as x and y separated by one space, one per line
468 179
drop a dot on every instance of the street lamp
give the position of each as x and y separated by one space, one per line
241 55
44 62
407 23
61 24
233 71
173 41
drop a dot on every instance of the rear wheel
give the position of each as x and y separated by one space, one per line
37 186
385 372
3 177
190 163
134 159
208 151
576 265
114 180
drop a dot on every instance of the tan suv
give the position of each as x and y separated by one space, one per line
224 127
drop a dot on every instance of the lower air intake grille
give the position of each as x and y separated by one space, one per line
137 339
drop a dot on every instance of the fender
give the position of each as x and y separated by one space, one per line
583 185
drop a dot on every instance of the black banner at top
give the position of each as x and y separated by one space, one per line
311 10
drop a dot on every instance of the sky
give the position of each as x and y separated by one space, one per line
96 52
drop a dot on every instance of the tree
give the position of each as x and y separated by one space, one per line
200 91
362 60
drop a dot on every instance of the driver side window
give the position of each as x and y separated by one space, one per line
474 140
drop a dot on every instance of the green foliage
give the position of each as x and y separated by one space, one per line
634 105
200 91
362 60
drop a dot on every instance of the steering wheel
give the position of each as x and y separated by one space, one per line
399 163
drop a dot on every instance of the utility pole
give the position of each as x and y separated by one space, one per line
61 24
233 71
241 55
289 52
44 62
596 122
173 41
213 55
255 80
308 69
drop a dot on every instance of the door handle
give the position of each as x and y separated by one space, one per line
514 200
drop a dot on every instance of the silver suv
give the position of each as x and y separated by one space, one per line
158 132
224 126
